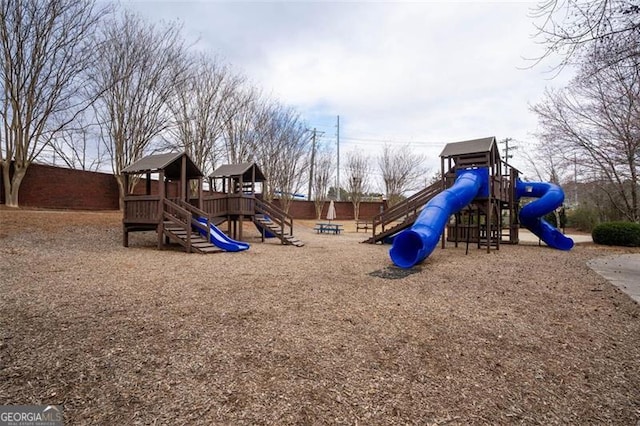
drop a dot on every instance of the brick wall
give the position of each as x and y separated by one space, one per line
59 188
344 209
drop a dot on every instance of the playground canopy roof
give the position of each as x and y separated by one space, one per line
170 162
474 146
246 170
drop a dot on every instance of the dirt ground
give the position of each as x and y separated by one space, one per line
330 333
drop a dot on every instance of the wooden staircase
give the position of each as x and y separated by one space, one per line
402 215
197 243
276 221
267 224
178 223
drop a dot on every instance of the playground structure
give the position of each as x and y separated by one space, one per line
477 201
191 218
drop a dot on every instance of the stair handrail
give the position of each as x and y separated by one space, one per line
172 212
408 207
276 214
204 227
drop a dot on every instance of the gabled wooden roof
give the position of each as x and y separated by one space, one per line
170 162
475 146
245 170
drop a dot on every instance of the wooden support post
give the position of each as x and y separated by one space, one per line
444 184
162 194
478 226
125 231
125 236
184 187
148 184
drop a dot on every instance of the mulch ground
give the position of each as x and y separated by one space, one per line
330 333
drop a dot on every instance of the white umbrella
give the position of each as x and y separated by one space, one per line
331 212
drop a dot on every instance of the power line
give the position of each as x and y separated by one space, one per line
409 142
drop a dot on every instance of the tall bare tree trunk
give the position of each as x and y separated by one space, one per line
11 182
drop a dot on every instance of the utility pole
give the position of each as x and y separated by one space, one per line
507 148
338 168
313 161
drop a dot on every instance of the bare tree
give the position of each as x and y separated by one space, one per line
202 104
46 49
243 117
78 145
402 170
548 163
570 28
282 151
323 172
139 67
358 172
595 121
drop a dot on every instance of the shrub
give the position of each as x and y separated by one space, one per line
617 234
583 219
551 218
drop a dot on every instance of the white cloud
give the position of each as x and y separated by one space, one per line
431 72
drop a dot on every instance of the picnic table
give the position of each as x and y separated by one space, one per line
328 228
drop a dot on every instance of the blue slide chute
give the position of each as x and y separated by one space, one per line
550 197
412 246
220 239
262 229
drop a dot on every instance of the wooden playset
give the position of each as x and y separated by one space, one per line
487 221
178 209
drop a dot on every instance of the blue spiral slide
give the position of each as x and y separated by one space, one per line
550 197
220 239
414 245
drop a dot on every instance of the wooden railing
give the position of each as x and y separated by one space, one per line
181 215
199 218
215 206
239 204
177 217
142 209
277 215
231 204
407 208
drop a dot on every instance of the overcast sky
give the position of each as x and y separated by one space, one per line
424 73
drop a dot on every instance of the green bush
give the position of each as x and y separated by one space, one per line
583 219
551 218
617 234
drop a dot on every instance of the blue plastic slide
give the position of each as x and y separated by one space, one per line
550 197
220 239
261 229
412 246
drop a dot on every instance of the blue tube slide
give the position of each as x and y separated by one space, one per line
413 245
550 197
220 239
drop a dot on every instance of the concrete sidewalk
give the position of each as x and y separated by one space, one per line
528 237
623 271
